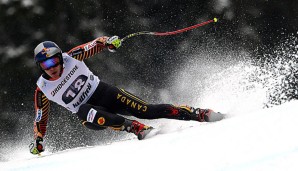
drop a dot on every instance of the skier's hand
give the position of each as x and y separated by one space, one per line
113 43
37 146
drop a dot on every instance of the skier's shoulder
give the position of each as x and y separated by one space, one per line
68 57
41 81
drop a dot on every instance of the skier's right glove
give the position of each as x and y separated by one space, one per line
37 147
113 43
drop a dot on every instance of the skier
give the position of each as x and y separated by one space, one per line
67 81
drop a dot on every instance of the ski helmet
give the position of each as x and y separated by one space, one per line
46 50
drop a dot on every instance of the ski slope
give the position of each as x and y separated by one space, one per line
265 139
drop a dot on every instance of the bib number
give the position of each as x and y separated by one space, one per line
74 89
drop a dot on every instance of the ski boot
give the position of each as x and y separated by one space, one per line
202 115
139 129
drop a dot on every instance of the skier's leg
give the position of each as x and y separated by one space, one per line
124 102
98 118
180 113
141 109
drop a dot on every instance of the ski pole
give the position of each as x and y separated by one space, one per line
168 33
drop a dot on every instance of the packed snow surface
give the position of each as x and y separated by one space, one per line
260 140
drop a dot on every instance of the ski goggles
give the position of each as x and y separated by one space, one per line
50 63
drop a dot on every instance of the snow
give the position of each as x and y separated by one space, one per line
260 140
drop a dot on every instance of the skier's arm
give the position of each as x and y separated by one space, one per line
42 106
89 49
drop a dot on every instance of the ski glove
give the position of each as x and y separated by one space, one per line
113 43
37 146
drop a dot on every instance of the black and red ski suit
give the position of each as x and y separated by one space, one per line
109 101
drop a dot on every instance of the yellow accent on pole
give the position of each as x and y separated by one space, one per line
215 20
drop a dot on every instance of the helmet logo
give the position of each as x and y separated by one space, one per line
45 51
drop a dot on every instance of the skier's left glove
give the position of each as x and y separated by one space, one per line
37 146
113 43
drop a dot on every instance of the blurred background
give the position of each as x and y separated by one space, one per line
143 65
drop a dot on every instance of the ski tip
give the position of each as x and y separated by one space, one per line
215 20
